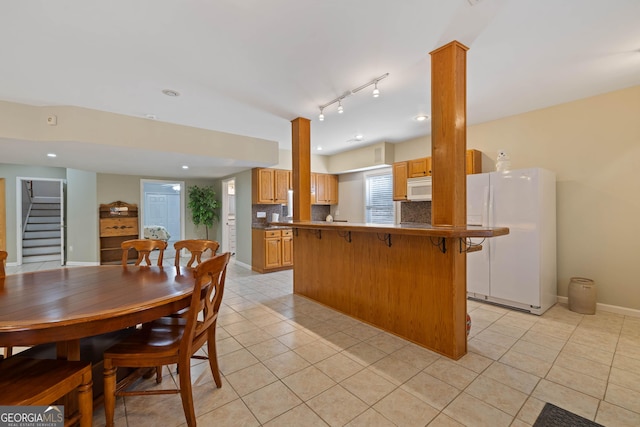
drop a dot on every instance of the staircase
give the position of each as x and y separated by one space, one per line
42 234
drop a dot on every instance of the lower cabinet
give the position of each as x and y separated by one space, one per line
272 250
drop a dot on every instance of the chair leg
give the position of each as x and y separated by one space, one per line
8 352
186 393
109 392
213 356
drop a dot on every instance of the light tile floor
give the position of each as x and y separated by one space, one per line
287 361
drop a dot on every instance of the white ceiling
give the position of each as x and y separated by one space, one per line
251 66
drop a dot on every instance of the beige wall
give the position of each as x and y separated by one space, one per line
593 145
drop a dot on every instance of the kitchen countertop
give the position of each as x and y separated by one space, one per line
406 229
269 226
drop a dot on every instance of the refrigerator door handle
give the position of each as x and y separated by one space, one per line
485 207
490 210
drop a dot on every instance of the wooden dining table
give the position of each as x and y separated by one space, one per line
67 304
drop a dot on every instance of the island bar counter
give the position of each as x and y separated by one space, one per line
397 278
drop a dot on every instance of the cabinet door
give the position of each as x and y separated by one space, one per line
281 182
272 252
473 161
321 189
265 186
331 187
400 175
420 167
314 188
287 247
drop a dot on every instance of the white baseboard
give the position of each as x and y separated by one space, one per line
632 312
242 264
82 263
12 264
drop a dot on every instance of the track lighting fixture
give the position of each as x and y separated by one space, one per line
376 94
376 91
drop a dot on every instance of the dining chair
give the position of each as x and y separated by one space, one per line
144 248
8 351
35 382
196 247
172 341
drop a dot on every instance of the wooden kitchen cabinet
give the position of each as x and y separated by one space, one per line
326 186
420 167
400 175
272 250
270 186
473 160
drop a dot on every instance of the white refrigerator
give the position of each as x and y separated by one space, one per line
517 270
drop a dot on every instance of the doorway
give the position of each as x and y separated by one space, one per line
229 216
40 220
162 210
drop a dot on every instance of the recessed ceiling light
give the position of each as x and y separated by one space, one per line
51 155
319 148
421 118
151 116
170 92
185 167
359 137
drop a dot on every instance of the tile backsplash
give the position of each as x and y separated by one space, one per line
415 212
318 213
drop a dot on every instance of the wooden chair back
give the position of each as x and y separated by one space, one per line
210 277
144 248
28 382
3 257
196 247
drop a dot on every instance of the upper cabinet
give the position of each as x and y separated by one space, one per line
420 167
326 189
474 161
400 174
270 186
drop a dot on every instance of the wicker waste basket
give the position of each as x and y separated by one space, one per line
582 295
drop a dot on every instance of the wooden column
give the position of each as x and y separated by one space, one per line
449 134
301 168
449 205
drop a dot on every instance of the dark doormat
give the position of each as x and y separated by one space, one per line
552 416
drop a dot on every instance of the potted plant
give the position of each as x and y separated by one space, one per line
203 206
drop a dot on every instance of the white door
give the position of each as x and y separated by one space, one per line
515 257
478 271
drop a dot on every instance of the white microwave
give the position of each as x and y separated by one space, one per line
419 189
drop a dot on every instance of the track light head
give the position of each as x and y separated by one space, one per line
340 109
376 91
321 116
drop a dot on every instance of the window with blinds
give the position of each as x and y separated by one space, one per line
379 207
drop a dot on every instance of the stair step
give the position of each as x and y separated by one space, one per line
45 206
43 219
41 250
33 243
40 258
46 234
42 227
45 212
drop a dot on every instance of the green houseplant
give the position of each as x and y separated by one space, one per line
203 206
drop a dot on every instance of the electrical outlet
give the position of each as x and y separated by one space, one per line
261 215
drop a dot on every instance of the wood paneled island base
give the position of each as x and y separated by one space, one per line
404 280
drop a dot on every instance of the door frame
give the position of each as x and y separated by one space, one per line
183 190
19 230
224 246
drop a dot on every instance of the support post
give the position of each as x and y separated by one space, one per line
301 168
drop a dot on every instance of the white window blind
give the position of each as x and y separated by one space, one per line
379 207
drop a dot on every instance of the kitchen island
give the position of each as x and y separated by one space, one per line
404 279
